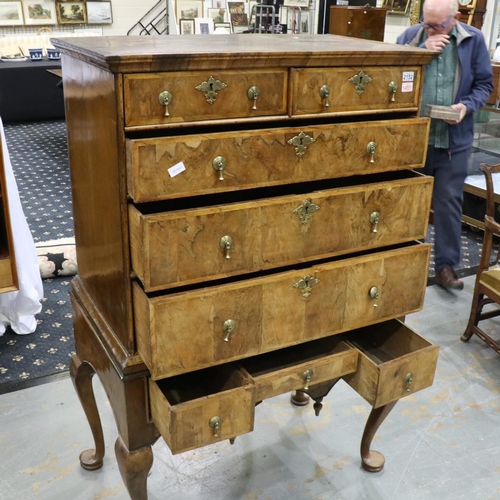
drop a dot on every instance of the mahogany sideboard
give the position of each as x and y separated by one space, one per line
247 223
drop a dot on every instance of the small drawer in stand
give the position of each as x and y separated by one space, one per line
202 407
394 362
300 366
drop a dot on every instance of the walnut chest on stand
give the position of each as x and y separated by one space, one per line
246 220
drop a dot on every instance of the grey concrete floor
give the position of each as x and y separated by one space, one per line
440 443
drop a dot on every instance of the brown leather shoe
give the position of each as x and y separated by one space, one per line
447 278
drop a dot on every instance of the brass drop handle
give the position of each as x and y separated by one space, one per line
229 326
253 94
374 220
226 243
324 93
219 163
165 98
393 87
215 423
409 381
307 376
371 148
374 294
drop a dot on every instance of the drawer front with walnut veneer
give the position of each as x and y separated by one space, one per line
243 206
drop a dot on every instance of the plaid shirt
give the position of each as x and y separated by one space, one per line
438 88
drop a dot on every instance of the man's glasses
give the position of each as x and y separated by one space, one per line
437 27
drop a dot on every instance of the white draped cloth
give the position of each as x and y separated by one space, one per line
18 309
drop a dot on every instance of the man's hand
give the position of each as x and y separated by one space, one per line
437 42
463 111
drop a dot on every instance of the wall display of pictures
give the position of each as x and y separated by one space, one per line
71 12
11 14
99 13
203 26
236 7
185 9
218 15
186 26
39 13
396 6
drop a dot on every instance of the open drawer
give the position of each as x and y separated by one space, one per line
299 366
202 407
394 361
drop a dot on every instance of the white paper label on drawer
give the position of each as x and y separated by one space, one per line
408 76
176 169
407 87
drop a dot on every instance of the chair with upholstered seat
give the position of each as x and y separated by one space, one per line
487 285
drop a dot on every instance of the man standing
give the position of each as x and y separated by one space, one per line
461 76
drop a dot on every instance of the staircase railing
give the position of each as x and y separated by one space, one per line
154 22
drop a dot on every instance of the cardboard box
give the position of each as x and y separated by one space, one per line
442 112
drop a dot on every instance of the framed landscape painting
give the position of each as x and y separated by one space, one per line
99 13
11 14
39 13
71 12
186 26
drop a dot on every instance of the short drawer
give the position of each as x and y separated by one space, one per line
350 89
394 362
203 407
203 95
195 329
8 279
171 249
163 168
300 366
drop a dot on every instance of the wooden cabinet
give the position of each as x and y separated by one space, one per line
360 22
247 224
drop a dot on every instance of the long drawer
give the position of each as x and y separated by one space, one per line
191 330
351 89
217 403
192 96
169 167
189 246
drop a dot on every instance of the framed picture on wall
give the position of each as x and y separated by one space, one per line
11 14
39 13
186 26
186 9
203 26
71 12
99 13
396 6
218 15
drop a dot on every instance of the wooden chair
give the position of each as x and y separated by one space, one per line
487 285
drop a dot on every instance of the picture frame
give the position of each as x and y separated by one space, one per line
239 22
399 7
11 14
203 26
217 15
297 3
36 13
99 13
71 13
188 9
236 7
219 4
186 26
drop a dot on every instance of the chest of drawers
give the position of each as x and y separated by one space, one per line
246 219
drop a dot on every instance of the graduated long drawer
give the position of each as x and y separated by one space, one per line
169 167
181 332
189 246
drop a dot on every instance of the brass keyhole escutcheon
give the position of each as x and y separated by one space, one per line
371 147
359 81
374 294
229 326
374 220
307 376
211 87
226 243
216 423
165 98
324 93
219 164
409 381
393 87
306 211
305 285
301 141
253 94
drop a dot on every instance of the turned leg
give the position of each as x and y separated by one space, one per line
299 398
372 460
134 468
81 375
